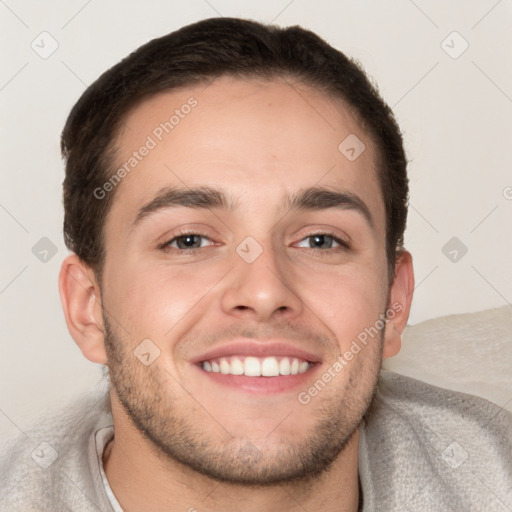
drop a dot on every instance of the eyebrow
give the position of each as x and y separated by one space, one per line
312 198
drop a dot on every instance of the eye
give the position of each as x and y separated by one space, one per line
185 242
320 241
194 241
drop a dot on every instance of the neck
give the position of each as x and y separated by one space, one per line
143 479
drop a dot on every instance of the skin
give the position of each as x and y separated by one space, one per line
183 441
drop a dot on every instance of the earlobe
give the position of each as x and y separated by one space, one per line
80 297
399 304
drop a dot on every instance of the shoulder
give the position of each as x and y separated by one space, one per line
432 446
48 466
400 393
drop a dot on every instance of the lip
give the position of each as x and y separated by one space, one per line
249 347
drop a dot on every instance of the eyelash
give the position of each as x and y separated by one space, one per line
343 245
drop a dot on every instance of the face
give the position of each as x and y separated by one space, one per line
244 242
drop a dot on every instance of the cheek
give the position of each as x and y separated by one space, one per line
163 302
154 299
347 300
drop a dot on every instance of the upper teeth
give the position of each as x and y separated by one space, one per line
256 367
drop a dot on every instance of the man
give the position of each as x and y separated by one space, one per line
235 202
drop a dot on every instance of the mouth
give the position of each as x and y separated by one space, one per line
253 367
259 376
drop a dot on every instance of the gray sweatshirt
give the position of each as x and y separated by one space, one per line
422 449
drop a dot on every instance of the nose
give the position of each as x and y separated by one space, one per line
261 289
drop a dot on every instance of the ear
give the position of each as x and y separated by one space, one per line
80 297
399 304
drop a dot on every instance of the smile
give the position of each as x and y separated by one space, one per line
250 366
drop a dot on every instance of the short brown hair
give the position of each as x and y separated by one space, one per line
197 53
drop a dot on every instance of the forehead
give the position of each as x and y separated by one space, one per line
255 139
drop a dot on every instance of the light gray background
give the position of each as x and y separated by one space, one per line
456 114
